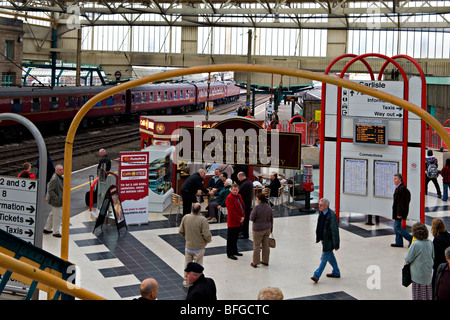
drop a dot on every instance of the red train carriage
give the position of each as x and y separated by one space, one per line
232 92
168 97
46 107
54 108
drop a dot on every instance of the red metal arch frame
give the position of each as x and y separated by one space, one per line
339 139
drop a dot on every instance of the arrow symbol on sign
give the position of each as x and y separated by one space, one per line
31 209
399 115
29 233
30 221
32 185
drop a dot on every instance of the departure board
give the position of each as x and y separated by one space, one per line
370 132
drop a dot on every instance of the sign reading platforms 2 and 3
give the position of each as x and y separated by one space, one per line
18 207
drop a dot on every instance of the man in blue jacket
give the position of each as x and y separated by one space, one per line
327 232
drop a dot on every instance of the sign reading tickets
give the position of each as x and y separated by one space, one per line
238 141
133 186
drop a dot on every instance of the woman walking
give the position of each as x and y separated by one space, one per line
262 217
421 257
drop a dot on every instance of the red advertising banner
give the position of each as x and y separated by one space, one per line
300 128
133 186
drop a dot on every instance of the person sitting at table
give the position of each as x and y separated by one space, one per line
216 182
215 205
274 186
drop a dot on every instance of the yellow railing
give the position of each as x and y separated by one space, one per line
33 273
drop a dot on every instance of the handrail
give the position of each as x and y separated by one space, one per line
46 278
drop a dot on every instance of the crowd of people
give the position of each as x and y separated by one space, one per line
428 260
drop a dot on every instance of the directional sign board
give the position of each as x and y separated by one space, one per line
18 207
357 104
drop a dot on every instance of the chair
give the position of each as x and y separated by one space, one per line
277 200
177 203
222 211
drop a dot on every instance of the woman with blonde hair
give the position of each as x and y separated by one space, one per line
420 256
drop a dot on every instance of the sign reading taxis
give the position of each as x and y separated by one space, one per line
18 207
238 141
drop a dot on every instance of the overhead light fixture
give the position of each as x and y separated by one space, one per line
276 18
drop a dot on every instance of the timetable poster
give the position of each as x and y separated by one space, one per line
384 178
355 176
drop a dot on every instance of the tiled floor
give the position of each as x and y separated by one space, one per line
113 265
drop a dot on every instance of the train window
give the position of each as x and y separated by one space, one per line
132 98
175 94
35 104
165 95
16 105
152 98
123 99
181 94
70 102
143 96
110 101
84 99
159 96
170 95
53 103
136 98
192 93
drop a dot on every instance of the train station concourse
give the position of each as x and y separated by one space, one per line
113 264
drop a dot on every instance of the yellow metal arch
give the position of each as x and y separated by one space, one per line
219 68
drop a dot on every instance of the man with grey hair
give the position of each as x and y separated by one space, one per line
190 188
441 290
327 232
55 200
194 228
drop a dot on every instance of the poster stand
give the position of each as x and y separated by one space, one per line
111 198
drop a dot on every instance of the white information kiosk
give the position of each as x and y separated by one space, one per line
365 141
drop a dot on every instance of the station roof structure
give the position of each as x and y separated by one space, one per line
340 14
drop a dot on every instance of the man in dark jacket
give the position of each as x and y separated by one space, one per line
246 192
189 190
327 232
202 288
400 210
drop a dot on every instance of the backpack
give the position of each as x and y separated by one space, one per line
432 170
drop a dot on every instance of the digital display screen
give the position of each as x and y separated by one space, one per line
370 134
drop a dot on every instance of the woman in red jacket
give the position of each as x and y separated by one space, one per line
236 213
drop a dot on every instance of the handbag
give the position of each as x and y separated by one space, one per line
406 275
272 242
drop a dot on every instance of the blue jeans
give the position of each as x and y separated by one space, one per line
327 256
445 187
400 233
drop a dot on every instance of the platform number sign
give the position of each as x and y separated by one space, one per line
18 206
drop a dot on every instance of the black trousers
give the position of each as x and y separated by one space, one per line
232 239
245 224
436 185
187 202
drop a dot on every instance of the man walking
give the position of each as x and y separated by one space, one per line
327 232
194 228
55 199
400 210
